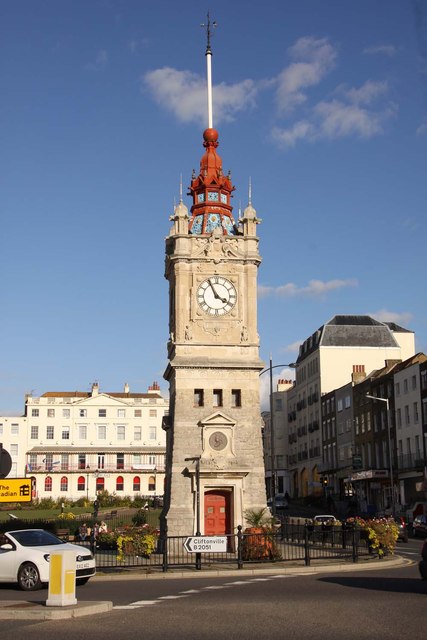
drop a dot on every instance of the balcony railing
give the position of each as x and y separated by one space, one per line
137 469
411 461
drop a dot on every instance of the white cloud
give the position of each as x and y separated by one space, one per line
384 315
316 59
100 61
384 49
368 92
315 288
184 94
422 129
337 120
293 347
287 138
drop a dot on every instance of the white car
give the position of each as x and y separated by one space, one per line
25 555
324 519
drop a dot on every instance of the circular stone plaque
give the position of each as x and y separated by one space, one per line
218 441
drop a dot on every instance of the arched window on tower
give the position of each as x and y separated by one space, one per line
119 483
152 483
48 483
64 483
81 483
137 483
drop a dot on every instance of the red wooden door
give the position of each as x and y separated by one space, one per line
217 513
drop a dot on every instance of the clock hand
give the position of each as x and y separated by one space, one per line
218 297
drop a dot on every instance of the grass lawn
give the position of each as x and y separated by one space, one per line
40 514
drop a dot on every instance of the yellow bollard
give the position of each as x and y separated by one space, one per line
62 579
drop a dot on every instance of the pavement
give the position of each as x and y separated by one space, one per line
27 610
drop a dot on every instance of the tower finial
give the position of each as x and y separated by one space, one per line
250 191
208 26
180 188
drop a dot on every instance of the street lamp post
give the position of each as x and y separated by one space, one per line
196 460
272 434
390 453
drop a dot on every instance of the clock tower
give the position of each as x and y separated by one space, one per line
214 455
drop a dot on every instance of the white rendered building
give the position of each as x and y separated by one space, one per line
326 362
78 443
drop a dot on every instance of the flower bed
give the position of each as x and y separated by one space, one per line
381 534
130 541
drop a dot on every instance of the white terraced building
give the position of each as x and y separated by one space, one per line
76 443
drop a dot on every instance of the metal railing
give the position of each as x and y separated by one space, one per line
300 543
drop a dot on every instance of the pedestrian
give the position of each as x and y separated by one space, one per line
83 531
103 527
95 508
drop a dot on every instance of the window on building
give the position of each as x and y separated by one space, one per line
397 388
121 432
152 483
414 382
415 411
405 385
152 433
51 413
65 433
82 432
120 483
152 460
83 413
66 413
82 461
198 398
102 413
137 433
102 432
399 418
137 483
101 461
407 416
64 484
14 429
153 413
217 397
32 462
48 483
81 483
347 402
49 432
65 458
13 450
35 413
236 398
100 483
339 405
121 413
120 461
278 404
137 413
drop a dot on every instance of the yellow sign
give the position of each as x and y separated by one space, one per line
15 490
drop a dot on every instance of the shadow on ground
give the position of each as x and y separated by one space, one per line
392 585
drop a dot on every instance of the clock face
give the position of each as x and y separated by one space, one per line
218 441
216 296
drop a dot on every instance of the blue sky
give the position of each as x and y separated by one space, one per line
322 103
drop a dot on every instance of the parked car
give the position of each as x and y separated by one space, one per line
419 526
279 501
325 519
403 529
25 555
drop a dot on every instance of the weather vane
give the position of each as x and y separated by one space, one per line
208 26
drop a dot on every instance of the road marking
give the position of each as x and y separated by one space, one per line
143 603
191 591
170 597
222 586
125 606
238 582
